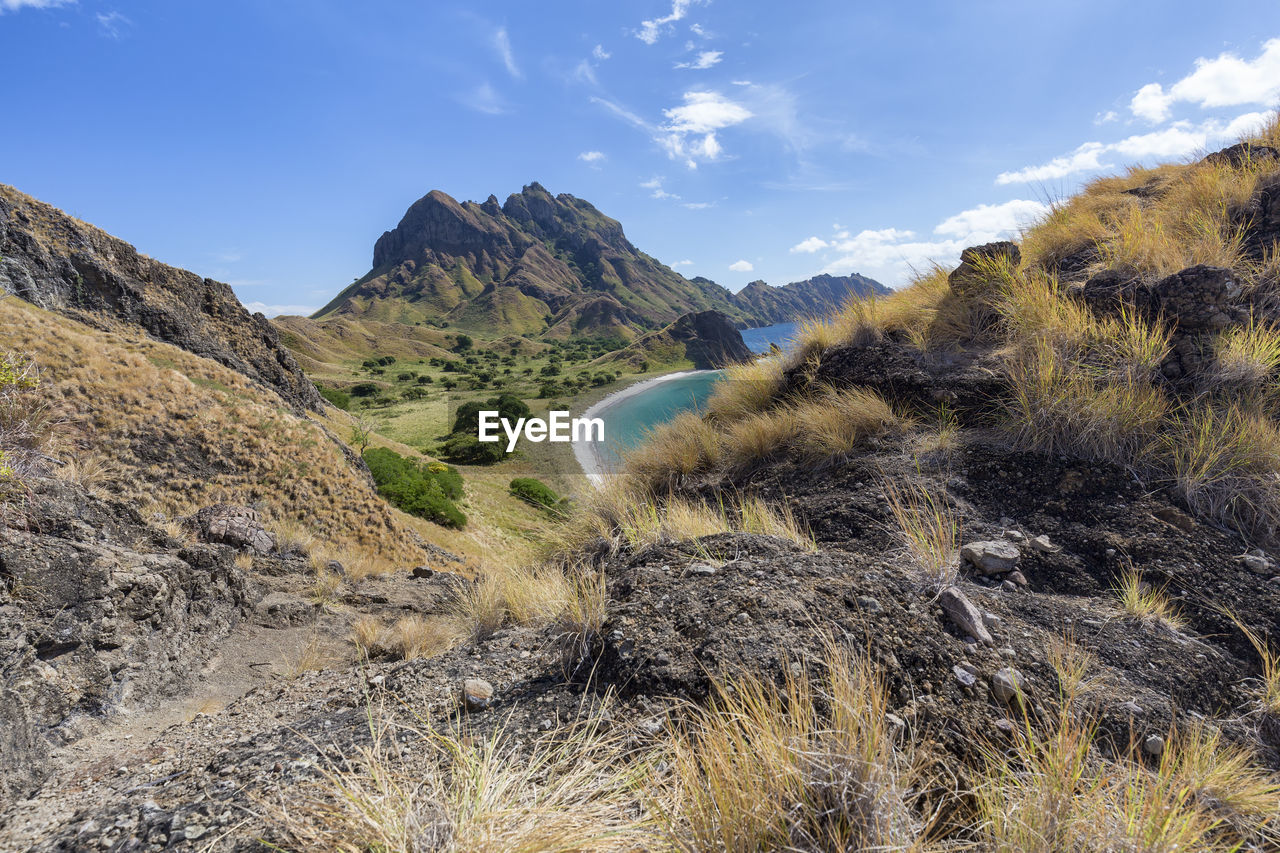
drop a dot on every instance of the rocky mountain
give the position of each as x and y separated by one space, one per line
62 264
706 339
547 265
819 296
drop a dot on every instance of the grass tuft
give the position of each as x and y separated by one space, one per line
1144 602
928 529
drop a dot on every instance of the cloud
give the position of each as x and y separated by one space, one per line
592 157
697 30
741 266
810 245
1227 81
1106 118
112 24
651 31
277 310
623 113
684 263
600 53
690 131
502 44
706 59
16 5
1179 139
484 99
227 256
655 184
891 254
698 205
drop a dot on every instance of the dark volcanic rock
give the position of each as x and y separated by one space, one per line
237 526
710 339
819 296
1200 298
966 280
64 265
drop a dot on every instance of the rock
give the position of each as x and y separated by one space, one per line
1200 298
477 694
1006 652
237 526
1132 708
1006 684
964 676
283 609
1005 727
1110 292
968 280
423 571
991 620
991 557
1153 745
1017 578
702 569
1014 535
869 604
1044 546
964 615
1008 586
1257 565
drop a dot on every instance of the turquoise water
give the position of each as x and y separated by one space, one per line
627 421
758 340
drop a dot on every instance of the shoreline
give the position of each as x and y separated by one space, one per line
588 455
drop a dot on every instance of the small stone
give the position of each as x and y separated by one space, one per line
869 604
1009 586
1153 745
1014 535
545 725
1131 707
991 620
194 831
1044 546
964 615
1004 726
1110 552
423 571
1257 565
964 676
1006 684
1007 652
652 726
376 680
991 557
1018 578
477 694
703 569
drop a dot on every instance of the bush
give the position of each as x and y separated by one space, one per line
427 491
364 389
464 343
534 491
339 398
467 450
467 419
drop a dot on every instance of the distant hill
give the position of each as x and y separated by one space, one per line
548 266
706 340
819 296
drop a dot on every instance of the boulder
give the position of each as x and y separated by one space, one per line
477 694
237 526
1202 298
967 279
993 557
964 615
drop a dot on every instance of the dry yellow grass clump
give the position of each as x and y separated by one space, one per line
182 432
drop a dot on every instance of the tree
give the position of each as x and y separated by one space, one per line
463 343
362 434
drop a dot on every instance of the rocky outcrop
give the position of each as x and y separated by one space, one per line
237 526
707 338
968 279
61 264
1200 299
99 612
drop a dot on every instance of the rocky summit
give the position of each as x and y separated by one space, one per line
549 265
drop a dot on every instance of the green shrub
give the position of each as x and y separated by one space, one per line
427 491
468 450
337 397
466 420
535 492
364 389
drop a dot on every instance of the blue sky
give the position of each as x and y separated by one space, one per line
269 143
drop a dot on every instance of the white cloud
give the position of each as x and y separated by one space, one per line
812 244
502 44
704 112
1179 139
891 254
992 218
706 59
15 5
623 113
484 99
600 53
655 184
697 30
591 156
651 31
1227 81
741 266
277 310
1106 118
1150 102
684 263
698 205
113 24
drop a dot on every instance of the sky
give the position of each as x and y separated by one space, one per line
268 143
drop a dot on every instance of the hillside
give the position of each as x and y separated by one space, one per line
550 266
59 263
704 341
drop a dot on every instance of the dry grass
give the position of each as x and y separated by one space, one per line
1245 361
1267 686
576 793
25 420
563 593
293 536
746 389
244 561
315 655
369 635
92 471
413 637
325 588
808 766
928 529
1144 602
